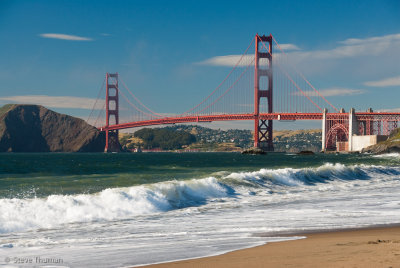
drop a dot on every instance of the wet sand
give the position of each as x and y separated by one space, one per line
371 247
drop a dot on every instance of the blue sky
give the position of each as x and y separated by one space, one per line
61 50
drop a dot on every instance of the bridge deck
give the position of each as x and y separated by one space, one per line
237 117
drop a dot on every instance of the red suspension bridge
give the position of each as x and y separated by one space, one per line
262 86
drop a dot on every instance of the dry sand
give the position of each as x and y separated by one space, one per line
372 247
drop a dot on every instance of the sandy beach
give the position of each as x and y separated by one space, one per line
370 247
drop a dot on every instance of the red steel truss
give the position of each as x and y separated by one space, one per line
367 123
212 118
337 129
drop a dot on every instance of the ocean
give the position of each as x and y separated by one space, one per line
124 210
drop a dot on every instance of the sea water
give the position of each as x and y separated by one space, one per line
119 210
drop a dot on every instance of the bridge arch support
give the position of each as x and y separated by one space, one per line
339 132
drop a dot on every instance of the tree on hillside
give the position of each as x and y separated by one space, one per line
163 138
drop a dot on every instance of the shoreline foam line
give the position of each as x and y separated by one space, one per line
365 234
281 239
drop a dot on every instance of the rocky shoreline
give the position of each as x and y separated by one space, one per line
391 145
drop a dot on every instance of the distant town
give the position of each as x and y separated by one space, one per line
207 139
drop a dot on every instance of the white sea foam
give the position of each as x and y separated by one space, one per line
109 204
389 155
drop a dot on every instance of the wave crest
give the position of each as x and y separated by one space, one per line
300 176
20 214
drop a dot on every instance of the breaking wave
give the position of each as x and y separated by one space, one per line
119 203
310 176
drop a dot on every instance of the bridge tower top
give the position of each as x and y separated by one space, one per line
112 103
112 112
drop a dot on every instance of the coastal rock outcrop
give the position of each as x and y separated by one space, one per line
305 153
391 145
34 128
253 150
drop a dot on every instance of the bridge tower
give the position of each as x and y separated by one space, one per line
263 128
112 112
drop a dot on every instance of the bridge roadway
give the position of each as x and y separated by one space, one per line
220 117
262 116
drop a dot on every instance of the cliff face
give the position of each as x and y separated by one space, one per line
391 145
33 128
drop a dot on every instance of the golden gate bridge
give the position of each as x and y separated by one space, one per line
262 87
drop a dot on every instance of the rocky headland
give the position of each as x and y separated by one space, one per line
34 128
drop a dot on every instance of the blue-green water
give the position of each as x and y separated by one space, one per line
113 210
40 175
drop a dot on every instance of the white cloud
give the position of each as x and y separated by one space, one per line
393 110
54 101
387 82
376 39
286 47
349 48
229 60
65 37
334 91
356 47
340 92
